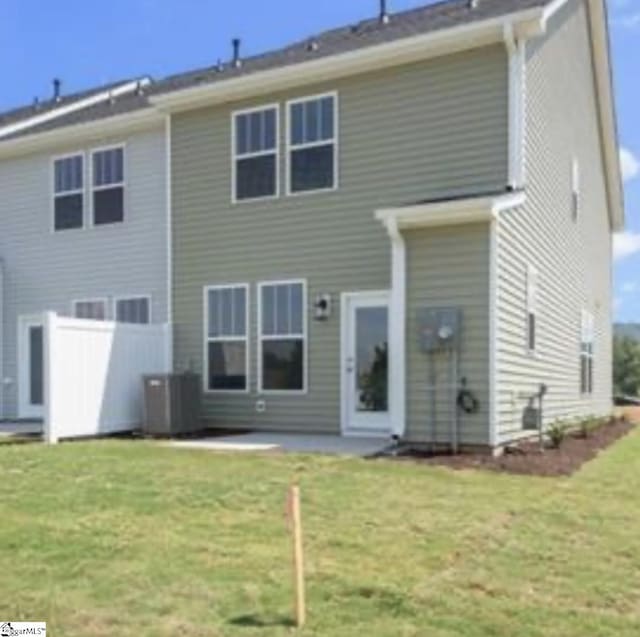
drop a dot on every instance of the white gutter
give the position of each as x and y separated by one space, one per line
467 36
452 211
517 92
55 113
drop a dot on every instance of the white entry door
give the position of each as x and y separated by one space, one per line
365 367
31 367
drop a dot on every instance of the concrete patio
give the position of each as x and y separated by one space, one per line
292 443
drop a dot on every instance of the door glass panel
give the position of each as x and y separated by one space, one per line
36 364
371 376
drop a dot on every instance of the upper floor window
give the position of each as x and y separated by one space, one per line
108 185
586 353
95 309
312 144
135 309
68 192
532 309
255 154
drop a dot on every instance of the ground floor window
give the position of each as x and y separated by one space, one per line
586 353
282 336
94 309
227 328
135 309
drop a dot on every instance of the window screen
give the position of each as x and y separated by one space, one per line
282 336
226 338
108 186
312 144
68 197
133 310
255 154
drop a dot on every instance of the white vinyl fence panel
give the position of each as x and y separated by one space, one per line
93 374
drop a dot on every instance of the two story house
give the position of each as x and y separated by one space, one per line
328 196
401 227
83 224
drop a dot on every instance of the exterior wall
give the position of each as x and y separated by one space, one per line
438 128
573 258
448 267
46 271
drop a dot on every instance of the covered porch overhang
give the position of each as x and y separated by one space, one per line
482 208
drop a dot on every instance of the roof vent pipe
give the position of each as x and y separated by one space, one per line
237 62
384 14
57 85
473 4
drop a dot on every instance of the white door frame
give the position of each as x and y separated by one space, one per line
377 297
25 409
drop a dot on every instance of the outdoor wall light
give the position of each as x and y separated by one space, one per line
322 307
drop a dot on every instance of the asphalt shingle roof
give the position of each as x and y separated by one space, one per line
371 32
425 19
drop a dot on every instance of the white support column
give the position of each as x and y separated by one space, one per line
397 329
49 340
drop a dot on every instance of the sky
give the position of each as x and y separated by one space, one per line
85 43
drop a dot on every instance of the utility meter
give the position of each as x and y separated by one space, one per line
439 328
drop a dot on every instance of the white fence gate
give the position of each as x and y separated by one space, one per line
93 374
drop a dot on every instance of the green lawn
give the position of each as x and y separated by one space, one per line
134 538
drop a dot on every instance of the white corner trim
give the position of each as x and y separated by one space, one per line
517 91
397 328
452 211
123 89
494 331
169 230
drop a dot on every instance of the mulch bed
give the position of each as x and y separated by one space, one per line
526 458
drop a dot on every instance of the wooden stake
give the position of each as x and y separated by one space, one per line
298 555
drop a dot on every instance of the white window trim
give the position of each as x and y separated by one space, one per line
263 153
132 297
225 339
587 336
82 191
97 299
575 189
291 147
123 184
532 273
304 335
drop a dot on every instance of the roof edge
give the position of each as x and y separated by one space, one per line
454 211
526 24
122 89
114 125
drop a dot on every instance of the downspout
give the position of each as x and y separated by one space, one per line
397 329
169 222
517 90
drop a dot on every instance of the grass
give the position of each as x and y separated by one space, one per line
136 539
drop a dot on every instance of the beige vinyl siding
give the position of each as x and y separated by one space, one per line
573 258
425 130
449 267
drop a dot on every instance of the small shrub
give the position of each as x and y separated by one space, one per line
587 426
557 433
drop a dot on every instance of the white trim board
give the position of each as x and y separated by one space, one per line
452 211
